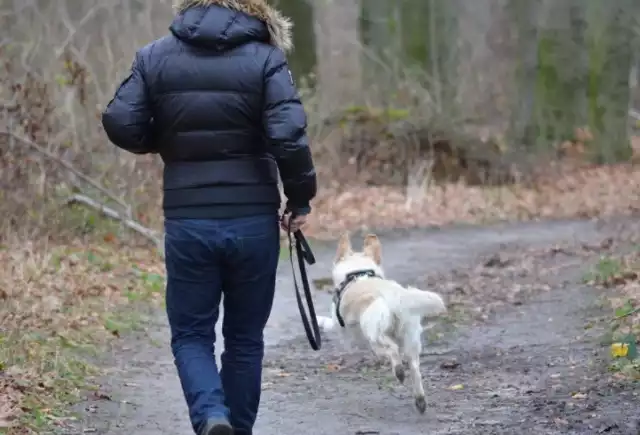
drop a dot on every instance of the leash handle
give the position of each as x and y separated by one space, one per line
304 254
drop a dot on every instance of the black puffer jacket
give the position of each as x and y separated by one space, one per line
217 101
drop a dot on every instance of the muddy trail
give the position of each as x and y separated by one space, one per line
514 355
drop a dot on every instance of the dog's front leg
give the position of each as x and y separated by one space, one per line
326 323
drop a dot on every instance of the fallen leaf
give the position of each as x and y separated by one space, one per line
333 367
609 428
450 365
5 421
102 396
456 387
497 261
619 350
579 396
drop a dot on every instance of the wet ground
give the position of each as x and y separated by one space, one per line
526 364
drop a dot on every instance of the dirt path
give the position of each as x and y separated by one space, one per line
519 368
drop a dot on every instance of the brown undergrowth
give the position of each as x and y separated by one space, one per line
596 191
60 304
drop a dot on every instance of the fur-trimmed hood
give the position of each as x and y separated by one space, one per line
254 13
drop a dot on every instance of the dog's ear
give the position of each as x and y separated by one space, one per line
344 247
373 248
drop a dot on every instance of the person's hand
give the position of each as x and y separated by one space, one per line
287 223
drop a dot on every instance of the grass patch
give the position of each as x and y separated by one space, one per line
605 272
284 250
284 247
622 275
446 325
623 340
323 284
60 306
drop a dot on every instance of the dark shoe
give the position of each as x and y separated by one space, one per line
217 426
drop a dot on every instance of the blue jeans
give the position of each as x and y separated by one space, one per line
205 260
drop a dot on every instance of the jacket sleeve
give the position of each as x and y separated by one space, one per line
127 119
285 124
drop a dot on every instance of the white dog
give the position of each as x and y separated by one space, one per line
372 309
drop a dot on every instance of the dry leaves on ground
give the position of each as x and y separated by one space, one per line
577 193
9 402
507 278
57 303
513 275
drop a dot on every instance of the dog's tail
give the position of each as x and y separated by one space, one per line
422 302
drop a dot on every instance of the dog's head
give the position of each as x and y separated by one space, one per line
348 261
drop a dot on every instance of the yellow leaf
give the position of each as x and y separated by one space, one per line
579 396
619 350
456 387
333 367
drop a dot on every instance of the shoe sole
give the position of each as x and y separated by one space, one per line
220 430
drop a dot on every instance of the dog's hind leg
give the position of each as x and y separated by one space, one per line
416 384
385 347
412 349
374 323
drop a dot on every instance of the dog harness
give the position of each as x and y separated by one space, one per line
337 294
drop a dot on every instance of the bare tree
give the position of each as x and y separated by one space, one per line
60 64
339 68
610 41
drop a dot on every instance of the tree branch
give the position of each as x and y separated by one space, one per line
111 213
68 166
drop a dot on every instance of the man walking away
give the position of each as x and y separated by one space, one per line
216 100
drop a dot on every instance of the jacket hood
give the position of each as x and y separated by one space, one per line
228 23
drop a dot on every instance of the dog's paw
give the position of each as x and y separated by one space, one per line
325 323
399 372
421 404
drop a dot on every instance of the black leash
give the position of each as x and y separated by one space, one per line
304 254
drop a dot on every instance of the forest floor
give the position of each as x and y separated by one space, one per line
522 348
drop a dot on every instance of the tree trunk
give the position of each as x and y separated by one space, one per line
487 63
610 40
552 75
523 120
338 49
303 58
